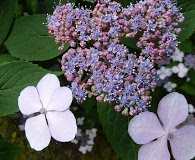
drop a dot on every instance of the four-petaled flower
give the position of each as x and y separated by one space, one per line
181 70
55 118
164 72
145 127
177 55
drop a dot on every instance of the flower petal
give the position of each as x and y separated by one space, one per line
61 99
175 69
183 143
145 127
37 132
46 86
62 125
172 110
156 150
29 101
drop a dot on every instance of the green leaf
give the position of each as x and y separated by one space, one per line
130 42
189 88
7 11
124 3
32 6
8 151
191 75
14 77
29 39
6 58
51 4
115 126
186 46
188 26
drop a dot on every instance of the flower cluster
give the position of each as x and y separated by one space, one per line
179 64
97 64
85 139
124 80
155 22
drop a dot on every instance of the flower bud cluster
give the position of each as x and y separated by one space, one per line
97 64
155 23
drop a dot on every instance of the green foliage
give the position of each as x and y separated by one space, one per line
115 126
29 39
191 75
188 26
189 88
32 6
15 76
130 42
7 12
186 46
6 58
8 151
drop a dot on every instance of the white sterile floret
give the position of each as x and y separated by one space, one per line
180 70
85 149
55 120
75 141
80 120
21 127
177 55
164 72
191 108
158 134
169 86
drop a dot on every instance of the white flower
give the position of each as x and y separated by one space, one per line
191 108
85 149
181 70
75 141
177 55
21 127
55 119
164 72
169 86
80 120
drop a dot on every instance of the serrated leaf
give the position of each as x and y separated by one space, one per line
186 46
6 58
188 26
8 151
14 77
189 88
115 126
7 11
32 6
29 39
191 75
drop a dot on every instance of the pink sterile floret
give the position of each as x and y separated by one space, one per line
145 128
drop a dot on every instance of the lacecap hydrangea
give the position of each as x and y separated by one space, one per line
97 64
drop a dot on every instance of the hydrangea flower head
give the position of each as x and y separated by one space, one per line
145 128
55 119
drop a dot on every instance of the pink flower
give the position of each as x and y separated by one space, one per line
146 129
54 119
